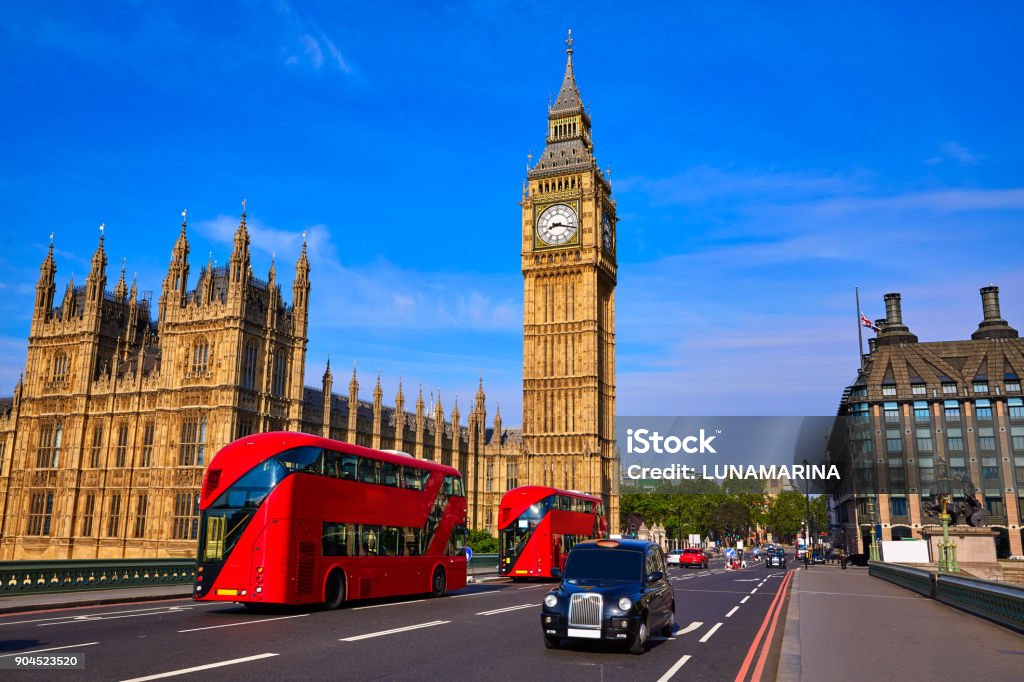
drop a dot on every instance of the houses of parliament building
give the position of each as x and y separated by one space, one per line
123 404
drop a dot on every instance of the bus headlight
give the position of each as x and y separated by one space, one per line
551 601
625 604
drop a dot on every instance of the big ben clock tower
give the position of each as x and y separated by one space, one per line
569 274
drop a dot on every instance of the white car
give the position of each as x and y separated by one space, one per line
672 558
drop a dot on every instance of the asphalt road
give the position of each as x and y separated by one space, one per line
487 631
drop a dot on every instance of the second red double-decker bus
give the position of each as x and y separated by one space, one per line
291 518
539 525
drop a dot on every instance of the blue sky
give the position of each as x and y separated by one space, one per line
766 159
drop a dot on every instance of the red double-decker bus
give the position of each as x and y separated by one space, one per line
539 525
291 518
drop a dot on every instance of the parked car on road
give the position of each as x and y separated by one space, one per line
612 590
693 556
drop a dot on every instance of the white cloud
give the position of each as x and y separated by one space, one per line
315 47
954 151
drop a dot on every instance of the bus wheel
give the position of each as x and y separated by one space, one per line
437 584
334 592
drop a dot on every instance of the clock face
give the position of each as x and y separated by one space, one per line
557 224
606 231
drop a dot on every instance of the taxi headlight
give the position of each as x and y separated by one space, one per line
550 601
625 604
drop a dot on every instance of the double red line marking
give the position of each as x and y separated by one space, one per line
771 619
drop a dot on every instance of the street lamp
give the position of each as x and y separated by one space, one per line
873 550
944 489
808 556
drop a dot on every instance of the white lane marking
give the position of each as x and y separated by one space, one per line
397 603
56 648
674 669
746 580
753 591
391 632
530 587
734 610
90 619
712 631
94 615
208 666
244 622
507 608
690 628
475 594
744 600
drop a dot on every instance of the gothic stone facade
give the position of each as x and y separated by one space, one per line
916 404
104 443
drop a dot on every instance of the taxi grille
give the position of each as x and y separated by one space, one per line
585 610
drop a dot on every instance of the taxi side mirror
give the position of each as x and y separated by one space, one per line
655 577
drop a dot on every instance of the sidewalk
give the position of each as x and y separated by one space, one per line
58 600
846 625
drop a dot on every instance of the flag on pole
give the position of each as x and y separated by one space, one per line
865 322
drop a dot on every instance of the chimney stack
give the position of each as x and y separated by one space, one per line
993 326
894 331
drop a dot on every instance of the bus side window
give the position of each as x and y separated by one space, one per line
368 470
369 540
348 466
389 474
414 478
411 539
337 538
391 541
332 464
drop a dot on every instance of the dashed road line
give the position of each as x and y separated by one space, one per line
734 610
690 628
674 669
710 632
744 600
379 606
244 622
506 609
208 666
39 651
356 638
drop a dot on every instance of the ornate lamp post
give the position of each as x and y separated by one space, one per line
944 489
873 549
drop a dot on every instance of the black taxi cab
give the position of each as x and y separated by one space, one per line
612 590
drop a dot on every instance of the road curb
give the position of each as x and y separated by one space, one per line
95 601
790 663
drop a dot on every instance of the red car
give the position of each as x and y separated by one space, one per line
693 557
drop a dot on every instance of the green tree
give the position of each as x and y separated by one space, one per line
786 512
482 542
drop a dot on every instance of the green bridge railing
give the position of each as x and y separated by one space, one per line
998 602
36 577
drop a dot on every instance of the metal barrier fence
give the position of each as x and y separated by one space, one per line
484 563
36 577
998 602
916 579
